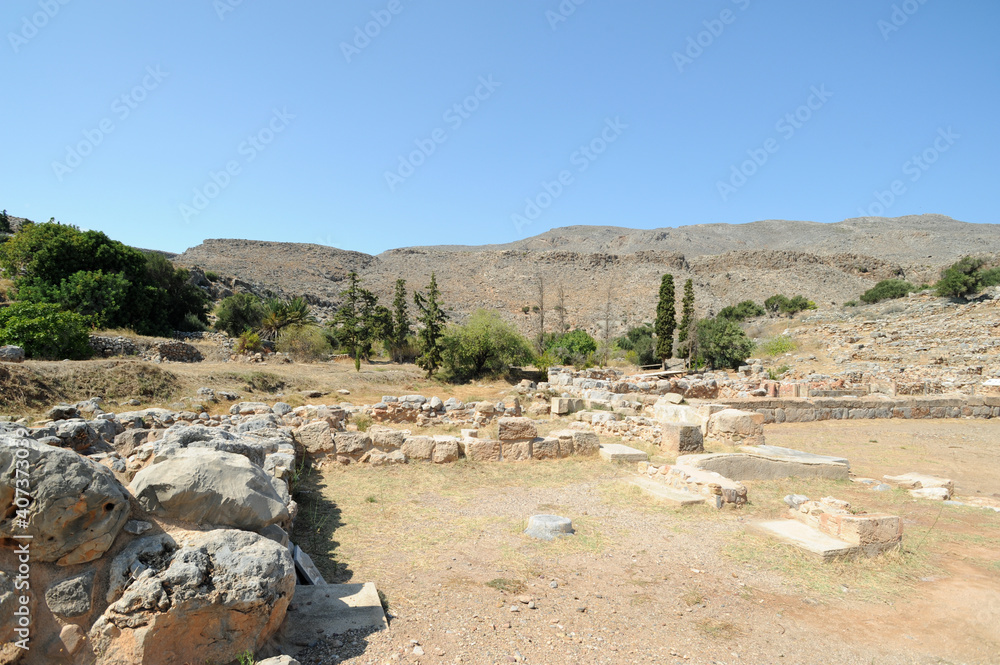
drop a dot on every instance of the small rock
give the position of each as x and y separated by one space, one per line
417 650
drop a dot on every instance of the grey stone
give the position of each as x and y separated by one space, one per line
71 597
793 501
234 586
352 443
616 452
281 408
210 487
516 429
77 435
62 412
11 354
77 508
316 438
333 609
549 527
681 438
137 527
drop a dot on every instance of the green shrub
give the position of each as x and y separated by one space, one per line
722 343
238 313
887 289
304 343
485 346
741 312
363 421
966 277
85 271
851 303
192 323
780 304
572 348
776 373
248 342
775 346
211 276
639 345
45 331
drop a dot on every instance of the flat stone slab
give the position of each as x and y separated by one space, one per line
769 463
807 538
669 495
549 527
616 452
317 612
916 481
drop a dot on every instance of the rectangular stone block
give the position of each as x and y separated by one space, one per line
515 451
682 439
514 429
547 448
418 447
482 450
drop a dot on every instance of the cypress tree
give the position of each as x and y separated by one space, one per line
432 334
666 319
687 317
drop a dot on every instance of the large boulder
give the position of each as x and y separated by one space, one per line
316 438
735 427
77 507
11 354
205 599
211 487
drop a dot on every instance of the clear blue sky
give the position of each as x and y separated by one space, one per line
309 127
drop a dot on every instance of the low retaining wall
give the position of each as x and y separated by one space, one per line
776 410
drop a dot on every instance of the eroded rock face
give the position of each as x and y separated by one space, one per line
208 598
77 509
204 486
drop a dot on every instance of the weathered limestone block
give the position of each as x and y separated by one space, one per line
445 450
418 447
386 439
769 463
699 481
515 451
547 448
680 438
734 427
352 444
872 533
516 429
482 450
316 438
208 598
564 406
77 507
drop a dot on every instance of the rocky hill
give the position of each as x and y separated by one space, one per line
828 263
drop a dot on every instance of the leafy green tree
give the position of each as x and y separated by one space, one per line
887 289
966 277
485 346
433 319
45 331
573 348
56 263
95 295
639 345
239 313
353 319
687 320
722 343
401 328
666 320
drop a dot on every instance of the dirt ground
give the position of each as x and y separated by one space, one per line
640 582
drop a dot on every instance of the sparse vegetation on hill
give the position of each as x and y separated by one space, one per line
779 304
966 277
747 309
888 289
